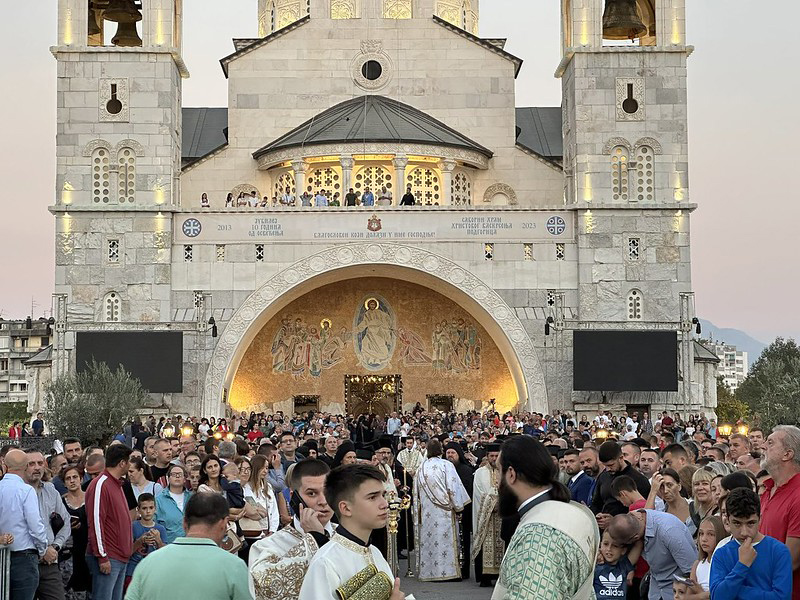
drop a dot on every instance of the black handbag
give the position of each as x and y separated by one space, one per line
56 522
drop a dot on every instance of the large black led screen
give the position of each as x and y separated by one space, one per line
625 361
154 357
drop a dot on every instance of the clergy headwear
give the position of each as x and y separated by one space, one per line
492 447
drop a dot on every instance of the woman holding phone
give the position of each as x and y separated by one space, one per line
74 500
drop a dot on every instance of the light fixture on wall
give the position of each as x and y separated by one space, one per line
213 324
696 322
547 323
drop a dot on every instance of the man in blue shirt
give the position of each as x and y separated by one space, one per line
367 199
19 517
751 565
668 546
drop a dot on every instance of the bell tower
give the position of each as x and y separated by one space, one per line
118 150
623 73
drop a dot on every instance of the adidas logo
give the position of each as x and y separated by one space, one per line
611 586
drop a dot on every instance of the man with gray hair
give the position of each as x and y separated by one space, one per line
780 503
56 521
226 451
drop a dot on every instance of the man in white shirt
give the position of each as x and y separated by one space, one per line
19 517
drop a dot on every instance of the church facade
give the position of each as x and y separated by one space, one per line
276 236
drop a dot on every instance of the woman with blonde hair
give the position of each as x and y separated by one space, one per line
703 504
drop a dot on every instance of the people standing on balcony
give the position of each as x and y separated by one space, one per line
229 200
367 199
350 198
253 201
204 203
335 201
288 198
385 198
321 199
408 197
305 199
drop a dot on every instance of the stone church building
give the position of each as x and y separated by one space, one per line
231 226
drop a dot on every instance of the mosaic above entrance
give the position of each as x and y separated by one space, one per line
371 326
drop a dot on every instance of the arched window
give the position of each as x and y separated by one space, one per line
111 308
619 172
461 189
126 178
634 305
373 178
645 169
425 185
328 179
101 184
283 181
343 9
396 9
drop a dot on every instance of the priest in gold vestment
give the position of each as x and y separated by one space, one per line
487 546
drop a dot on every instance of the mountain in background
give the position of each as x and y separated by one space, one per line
735 337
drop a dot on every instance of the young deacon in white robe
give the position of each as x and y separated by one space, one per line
438 496
487 546
278 563
348 566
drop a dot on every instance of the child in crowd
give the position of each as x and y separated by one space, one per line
710 532
751 565
624 489
194 478
231 472
680 588
614 571
147 536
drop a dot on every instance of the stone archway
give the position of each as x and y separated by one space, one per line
391 260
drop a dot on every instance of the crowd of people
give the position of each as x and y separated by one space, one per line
322 197
269 506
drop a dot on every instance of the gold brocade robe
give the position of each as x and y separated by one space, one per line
486 521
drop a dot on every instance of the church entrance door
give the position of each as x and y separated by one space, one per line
373 394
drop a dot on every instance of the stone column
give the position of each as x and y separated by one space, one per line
447 166
299 167
400 164
347 163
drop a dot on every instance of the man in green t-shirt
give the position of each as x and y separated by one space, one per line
205 569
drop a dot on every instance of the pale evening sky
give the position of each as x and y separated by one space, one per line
743 128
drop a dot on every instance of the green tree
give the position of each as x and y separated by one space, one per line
729 408
93 405
772 387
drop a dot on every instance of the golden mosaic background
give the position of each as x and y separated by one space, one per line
274 370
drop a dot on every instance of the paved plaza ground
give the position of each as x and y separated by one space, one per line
435 590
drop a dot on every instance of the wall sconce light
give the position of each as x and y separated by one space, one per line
167 431
213 324
547 323
698 329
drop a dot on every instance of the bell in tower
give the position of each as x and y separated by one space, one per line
621 20
126 14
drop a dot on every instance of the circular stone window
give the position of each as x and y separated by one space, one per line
371 70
